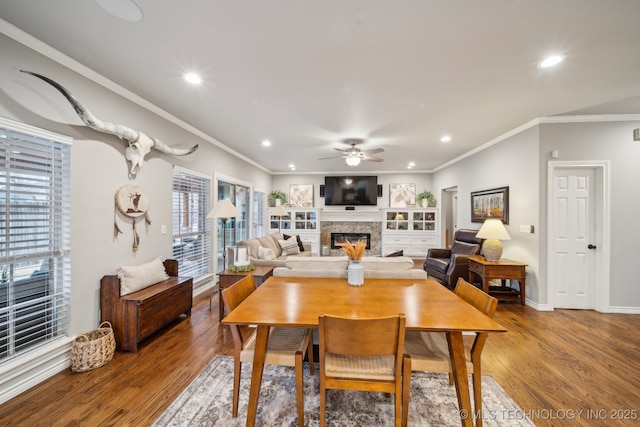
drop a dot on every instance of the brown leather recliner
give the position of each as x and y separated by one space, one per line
446 265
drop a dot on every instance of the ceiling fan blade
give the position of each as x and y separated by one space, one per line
372 159
372 151
346 151
333 157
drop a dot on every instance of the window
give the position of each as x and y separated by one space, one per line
258 213
191 228
34 237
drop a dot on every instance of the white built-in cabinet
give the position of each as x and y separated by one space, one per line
413 231
304 222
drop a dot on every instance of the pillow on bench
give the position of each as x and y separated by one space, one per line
136 277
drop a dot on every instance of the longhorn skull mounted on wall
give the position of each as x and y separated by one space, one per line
139 143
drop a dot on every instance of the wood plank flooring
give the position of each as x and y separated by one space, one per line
553 364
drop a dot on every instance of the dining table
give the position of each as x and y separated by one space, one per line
297 302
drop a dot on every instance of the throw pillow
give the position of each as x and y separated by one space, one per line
289 247
397 253
300 245
136 277
268 242
266 253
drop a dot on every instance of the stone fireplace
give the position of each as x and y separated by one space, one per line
356 228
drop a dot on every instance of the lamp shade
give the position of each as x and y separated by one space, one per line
353 160
224 209
493 231
280 211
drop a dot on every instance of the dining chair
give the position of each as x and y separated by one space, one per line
286 346
429 351
365 355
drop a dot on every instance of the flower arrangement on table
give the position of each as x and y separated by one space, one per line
242 268
354 252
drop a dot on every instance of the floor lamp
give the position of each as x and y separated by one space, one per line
224 209
279 211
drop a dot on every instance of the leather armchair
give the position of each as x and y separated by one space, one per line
447 265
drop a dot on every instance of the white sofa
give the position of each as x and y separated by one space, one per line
271 241
336 266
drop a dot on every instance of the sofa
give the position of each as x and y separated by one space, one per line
336 266
273 249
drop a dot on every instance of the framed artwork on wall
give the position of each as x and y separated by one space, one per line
492 204
301 195
402 195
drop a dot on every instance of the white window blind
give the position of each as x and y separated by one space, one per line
258 213
34 239
191 228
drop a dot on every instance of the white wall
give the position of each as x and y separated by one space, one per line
512 163
98 169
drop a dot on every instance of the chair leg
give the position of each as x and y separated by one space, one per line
237 371
299 388
323 402
406 389
477 394
310 356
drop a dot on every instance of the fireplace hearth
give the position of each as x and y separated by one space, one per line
337 239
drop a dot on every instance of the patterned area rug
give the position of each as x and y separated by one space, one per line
207 401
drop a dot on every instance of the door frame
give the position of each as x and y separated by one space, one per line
602 208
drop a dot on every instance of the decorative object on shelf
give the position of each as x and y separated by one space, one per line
401 195
426 199
240 256
224 209
242 268
276 195
139 143
131 201
280 211
355 271
301 195
493 231
488 204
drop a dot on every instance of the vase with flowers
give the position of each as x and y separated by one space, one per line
355 271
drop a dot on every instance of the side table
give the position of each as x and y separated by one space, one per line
501 269
228 278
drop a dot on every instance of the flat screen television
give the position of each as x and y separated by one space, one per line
350 190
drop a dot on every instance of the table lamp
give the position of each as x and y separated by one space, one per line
279 211
224 209
493 231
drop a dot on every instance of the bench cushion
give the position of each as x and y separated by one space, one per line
136 277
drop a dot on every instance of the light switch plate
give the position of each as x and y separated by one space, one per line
526 229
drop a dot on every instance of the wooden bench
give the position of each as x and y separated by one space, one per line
137 315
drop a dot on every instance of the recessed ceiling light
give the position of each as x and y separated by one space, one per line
550 61
410 165
445 138
193 78
292 166
266 143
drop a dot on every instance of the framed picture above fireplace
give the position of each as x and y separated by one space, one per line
301 195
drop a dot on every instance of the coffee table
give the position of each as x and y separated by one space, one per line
228 278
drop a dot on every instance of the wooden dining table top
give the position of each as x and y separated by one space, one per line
297 302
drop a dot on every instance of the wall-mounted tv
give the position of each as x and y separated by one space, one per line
350 190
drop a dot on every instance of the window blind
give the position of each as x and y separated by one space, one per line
34 239
191 228
259 198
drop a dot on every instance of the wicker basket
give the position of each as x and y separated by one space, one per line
93 349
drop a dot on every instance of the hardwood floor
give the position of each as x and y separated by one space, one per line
553 364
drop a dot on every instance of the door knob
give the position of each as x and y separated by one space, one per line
590 246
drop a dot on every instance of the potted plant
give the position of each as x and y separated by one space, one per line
276 195
426 198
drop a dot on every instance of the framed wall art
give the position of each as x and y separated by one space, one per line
488 204
301 195
402 195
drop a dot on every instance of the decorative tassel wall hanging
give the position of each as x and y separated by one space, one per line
131 201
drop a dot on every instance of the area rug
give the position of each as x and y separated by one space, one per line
207 401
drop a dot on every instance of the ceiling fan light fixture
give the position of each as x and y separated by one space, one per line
353 160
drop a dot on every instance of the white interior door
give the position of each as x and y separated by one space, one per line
573 234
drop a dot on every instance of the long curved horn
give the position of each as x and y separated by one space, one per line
122 132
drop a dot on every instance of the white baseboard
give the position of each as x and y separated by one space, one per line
30 369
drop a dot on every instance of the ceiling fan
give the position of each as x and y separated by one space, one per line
354 155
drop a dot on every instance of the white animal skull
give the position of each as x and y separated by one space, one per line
139 143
